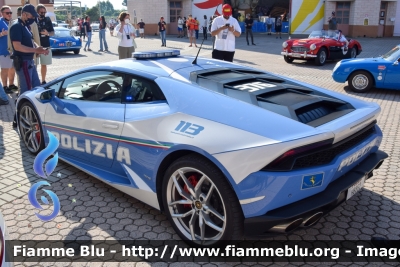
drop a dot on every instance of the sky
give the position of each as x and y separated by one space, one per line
90 3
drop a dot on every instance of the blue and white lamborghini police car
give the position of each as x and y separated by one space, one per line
224 150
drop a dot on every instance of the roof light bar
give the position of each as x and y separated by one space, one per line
156 54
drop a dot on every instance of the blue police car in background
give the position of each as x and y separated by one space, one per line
223 149
363 74
63 41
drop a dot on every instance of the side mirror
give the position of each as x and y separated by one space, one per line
45 96
396 63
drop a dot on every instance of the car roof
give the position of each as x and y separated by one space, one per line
163 67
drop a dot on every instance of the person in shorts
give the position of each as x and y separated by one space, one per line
6 63
180 27
141 28
268 21
191 24
46 30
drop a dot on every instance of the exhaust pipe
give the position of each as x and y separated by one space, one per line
313 219
288 227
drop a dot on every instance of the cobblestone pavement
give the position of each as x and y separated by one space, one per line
93 210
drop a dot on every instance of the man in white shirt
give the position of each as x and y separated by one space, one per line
180 27
225 28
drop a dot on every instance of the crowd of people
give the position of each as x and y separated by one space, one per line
19 55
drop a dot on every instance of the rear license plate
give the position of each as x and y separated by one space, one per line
296 55
355 188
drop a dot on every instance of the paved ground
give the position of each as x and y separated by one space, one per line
93 210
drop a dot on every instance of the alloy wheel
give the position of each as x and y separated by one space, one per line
30 129
196 206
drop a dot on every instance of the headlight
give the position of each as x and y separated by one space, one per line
285 44
313 47
336 66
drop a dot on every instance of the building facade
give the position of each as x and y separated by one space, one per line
357 18
364 18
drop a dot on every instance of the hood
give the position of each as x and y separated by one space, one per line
371 60
307 42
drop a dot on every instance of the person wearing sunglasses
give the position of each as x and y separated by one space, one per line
46 30
6 63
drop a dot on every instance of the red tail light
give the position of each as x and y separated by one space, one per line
285 161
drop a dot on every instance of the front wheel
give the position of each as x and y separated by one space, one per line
360 81
288 59
321 56
200 204
30 128
77 51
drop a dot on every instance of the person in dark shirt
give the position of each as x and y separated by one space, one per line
24 49
46 30
88 31
141 28
102 34
162 26
249 24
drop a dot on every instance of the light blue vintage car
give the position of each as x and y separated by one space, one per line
223 149
63 41
363 74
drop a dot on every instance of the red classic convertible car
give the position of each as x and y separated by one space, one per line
320 46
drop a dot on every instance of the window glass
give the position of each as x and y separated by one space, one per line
55 86
172 19
172 4
343 12
103 86
172 12
140 90
178 4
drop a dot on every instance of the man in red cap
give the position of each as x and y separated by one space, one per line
225 28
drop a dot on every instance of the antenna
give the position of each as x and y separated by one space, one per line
195 60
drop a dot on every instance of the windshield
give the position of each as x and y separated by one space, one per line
61 33
322 33
393 54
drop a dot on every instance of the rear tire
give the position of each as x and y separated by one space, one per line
321 57
288 59
360 81
353 52
77 51
200 204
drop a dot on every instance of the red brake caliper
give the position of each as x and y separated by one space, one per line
193 181
38 133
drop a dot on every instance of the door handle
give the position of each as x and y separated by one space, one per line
110 126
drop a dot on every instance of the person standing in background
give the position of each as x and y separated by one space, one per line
184 27
141 28
46 30
248 22
191 30
268 21
82 29
126 35
196 27
6 63
88 31
162 26
180 27
205 26
102 34
278 26
332 27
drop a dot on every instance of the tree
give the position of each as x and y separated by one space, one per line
125 3
94 13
